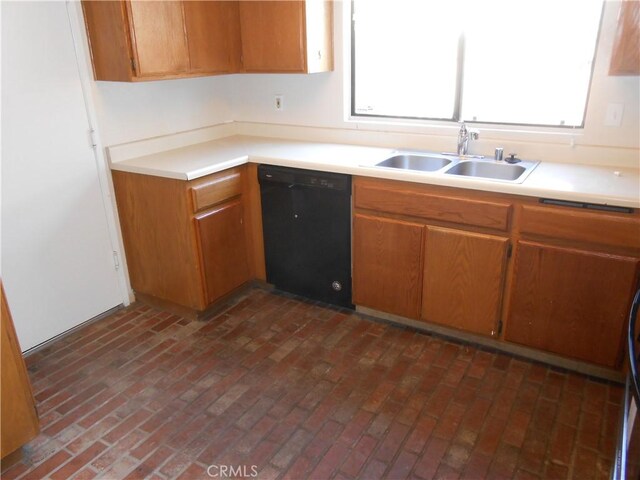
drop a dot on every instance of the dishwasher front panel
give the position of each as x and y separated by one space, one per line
306 219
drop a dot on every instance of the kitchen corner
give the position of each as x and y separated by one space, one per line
320 239
566 204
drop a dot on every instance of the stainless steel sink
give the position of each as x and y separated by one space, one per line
462 165
423 163
501 171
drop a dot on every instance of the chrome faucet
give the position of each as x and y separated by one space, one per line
464 135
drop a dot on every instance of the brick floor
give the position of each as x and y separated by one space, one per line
293 389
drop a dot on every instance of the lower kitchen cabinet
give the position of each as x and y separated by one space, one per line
387 264
463 279
437 255
570 301
442 256
437 274
186 242
223 248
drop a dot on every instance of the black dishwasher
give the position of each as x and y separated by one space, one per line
306 221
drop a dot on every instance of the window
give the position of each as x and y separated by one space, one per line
508 62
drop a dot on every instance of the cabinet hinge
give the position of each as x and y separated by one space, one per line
92 138
509 250
495 333
116 260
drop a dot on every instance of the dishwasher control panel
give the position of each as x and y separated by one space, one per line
309 178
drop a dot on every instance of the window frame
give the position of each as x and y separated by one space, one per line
457 110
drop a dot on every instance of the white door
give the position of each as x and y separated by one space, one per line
57 261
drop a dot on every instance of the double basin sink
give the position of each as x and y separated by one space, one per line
487 169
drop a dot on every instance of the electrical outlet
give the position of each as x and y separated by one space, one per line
279 102
613 117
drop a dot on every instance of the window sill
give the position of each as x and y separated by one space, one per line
508 133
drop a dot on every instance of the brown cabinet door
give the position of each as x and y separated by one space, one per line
221 236
213 34
19 418
463 279
273 36
109 38
158 36
387 265
571 302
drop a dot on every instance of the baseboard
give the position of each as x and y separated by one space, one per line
66 333
510 348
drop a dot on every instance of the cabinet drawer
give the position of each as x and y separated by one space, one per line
215 189
454 209
590 227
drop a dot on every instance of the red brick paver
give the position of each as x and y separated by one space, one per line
301 390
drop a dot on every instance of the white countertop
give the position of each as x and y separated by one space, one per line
593 184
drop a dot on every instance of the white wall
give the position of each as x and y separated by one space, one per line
606 89
133 111
319 100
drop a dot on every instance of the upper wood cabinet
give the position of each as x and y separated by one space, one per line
287 36
156 53
147 40
19 416
213 36
137 40
625 59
